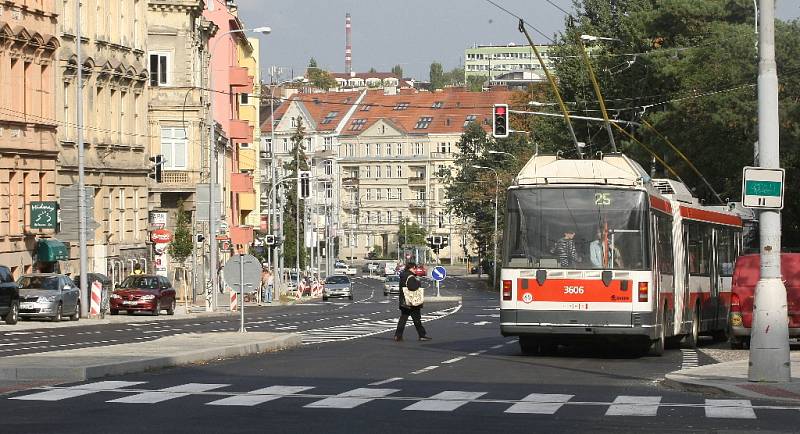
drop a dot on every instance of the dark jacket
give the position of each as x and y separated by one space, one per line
403 276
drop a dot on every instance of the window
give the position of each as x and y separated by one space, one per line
726 252
159 69
328 142
378 194
388 171
368 172
664 244
328 165
401 106
699 249
174 148
388 149
368 195
418 149
388 193
438 104
469 118
399 194
329 118
285 145
244 98
444 147
378 172
399 171
378 150
358 124
423 122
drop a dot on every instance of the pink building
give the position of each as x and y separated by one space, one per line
230 81
28 125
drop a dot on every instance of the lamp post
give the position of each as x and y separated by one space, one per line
501 153
494 234
212 215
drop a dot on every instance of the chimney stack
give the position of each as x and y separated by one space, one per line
348 50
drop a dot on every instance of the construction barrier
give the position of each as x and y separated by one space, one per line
96 299
234 301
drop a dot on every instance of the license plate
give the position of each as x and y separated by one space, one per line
27 305
128 303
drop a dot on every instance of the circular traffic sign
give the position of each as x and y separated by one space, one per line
438 273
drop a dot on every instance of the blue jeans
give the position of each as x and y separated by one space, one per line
267 294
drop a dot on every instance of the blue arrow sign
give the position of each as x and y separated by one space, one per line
439 273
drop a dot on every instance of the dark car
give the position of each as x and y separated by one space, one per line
105 282
9 296
145 292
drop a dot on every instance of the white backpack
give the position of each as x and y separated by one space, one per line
413 298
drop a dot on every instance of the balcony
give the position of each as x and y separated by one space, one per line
240 79
350 204
242 183
349 181
417 181
177 181
325 152
241 235
240 130
247 159
416 204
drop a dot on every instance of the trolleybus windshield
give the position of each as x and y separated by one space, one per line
576 228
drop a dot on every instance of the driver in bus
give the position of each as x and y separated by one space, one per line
565 250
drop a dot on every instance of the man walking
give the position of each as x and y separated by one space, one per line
409 280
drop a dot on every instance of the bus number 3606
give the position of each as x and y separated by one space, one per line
573 290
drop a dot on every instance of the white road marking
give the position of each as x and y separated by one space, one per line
730 408
448 400
168 393
634 406
497 346
481 323
540 403
23 343
75 391
425 369
387 381
352 398
260 396
457 359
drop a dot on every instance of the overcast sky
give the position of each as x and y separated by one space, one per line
412 33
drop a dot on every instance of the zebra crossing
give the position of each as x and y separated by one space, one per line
365 328
444 401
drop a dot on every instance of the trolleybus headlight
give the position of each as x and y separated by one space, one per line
642 292
506 290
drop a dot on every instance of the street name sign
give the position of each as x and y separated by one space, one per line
763 188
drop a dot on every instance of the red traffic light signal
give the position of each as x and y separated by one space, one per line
500 121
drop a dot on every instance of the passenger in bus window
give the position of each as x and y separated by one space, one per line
565 250
596 251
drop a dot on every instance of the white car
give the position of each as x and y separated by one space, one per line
342 269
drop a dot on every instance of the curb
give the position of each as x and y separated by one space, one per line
443 299
678 381
127 364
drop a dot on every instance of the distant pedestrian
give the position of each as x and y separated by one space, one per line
137 269
412 308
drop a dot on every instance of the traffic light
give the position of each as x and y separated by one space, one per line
444 242
500 121
199 238
305 184
155 171
269 239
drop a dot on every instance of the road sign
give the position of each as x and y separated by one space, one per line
762 188
44 215
244 267
158 219
438 273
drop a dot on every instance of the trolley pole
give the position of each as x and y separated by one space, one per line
769 347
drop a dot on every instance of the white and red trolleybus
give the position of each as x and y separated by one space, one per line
595 248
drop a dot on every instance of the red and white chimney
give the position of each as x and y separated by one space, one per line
348 50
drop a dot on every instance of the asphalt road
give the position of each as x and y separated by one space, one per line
355 378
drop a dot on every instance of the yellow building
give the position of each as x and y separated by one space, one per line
249 110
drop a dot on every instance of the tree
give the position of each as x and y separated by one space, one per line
320 78
411 233
290 217
398 71
373 70
312 63
437 76
454 77
475 83
182 243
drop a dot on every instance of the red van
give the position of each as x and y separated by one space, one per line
745 277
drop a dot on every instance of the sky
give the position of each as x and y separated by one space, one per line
411 33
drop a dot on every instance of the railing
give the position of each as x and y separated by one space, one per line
417 180
350 180
416 204
175 177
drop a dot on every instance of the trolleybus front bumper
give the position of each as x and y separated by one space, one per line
515 322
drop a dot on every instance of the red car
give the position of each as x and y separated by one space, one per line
420 271
146 292
745 277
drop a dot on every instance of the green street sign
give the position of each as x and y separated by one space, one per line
762 188
44 215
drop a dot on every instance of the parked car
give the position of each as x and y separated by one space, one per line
105 282
9 296
391 285
746 273
337 286
48 295
146 292
420 270
371 267
344 270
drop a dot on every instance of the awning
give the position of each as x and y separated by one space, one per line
51 250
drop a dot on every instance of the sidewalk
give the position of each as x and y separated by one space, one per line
94 362
731 377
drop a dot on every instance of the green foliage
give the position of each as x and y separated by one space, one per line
373 70
454 77
182 243
320 78
437 76
398 71
411 233
290 207
475 83
312 63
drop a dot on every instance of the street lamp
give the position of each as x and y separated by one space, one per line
212 215
501 153
494 235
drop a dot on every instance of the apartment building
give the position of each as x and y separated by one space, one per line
503 63
250 111
28 128
115 133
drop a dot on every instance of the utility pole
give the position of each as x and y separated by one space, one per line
769 347
82 250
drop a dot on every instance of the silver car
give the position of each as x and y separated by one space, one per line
337 286
48 295
391 285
